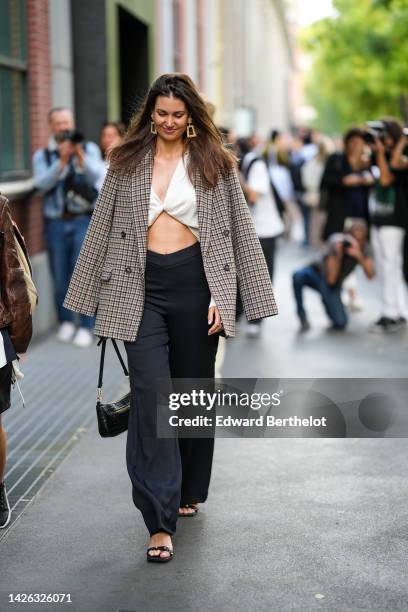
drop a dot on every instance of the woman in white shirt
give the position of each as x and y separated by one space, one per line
266 217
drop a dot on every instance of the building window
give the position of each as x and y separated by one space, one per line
14 140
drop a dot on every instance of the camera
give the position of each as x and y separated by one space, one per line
346 244
375 129
72 135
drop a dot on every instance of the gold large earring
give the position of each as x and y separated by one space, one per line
191 133
153 127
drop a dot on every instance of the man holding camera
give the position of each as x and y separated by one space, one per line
342 254
389 216
66 173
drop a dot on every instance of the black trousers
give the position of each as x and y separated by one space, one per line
268 247
172 342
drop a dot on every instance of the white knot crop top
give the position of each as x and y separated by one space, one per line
179 202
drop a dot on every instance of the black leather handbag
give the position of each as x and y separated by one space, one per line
112 418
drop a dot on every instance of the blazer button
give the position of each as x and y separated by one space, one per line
128 269
226 267
123 234
226 232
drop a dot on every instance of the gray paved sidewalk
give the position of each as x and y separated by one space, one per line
287 521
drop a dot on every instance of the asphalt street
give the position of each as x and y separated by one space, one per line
289 525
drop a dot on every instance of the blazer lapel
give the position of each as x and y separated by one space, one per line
141 181
204 211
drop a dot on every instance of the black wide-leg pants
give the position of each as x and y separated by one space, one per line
172 341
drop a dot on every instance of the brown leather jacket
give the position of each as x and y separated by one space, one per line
15 308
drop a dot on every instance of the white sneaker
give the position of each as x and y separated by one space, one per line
356 303
345 297
83 338
66 331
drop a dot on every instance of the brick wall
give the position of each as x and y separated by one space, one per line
28 213
39 71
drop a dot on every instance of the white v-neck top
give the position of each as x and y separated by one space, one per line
179 202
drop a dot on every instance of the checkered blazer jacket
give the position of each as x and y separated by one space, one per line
109 274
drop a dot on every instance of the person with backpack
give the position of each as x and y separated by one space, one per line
303 149
266 207
66 173
17 301
311 173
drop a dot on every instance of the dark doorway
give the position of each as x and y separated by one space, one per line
90 65
134 63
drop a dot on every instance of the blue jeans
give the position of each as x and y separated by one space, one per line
64 238
331 296
305 210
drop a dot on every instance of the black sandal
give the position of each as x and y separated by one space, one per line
190 506
158 558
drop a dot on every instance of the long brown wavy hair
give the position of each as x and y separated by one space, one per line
207 154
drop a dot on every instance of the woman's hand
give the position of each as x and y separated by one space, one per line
215 318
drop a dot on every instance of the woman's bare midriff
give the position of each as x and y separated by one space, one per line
167 235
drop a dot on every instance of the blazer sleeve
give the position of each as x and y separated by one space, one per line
253 278
83 292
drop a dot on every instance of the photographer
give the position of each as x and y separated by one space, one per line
342 254
66 173
16 327
388 209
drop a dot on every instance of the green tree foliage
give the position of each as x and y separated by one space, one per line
359 63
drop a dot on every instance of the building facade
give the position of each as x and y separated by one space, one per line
238 52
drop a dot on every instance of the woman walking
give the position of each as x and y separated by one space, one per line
170 235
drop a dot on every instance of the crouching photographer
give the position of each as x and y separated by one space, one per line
342 253
66 173
388 211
